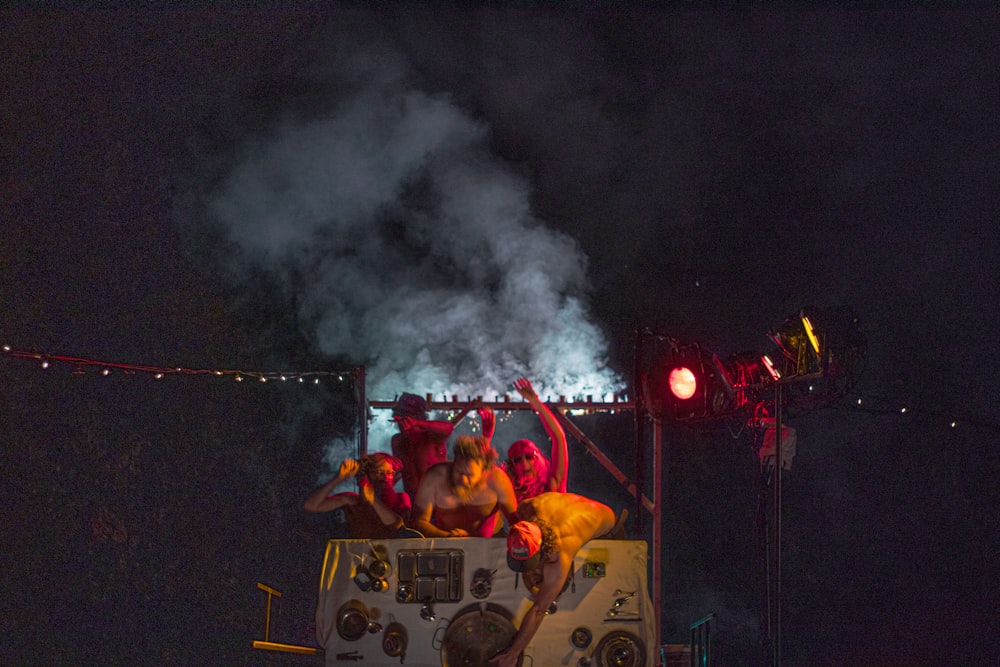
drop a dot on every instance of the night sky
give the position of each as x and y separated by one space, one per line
454 198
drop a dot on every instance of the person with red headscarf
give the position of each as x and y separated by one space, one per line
421 442
549 531
529 470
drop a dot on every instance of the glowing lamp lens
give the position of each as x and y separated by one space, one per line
682 383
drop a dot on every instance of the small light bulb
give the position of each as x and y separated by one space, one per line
954 424
158 376
106 371
316 381
263 379
45 364
904 409
239 378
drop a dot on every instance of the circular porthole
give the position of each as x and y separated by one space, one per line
352 621
620 649
475 636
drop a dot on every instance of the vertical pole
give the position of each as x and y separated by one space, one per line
640 431
776 637
639 399
658 479
267 614
707 660
358 375
267 619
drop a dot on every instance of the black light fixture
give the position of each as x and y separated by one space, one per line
687 382
816 353
799 347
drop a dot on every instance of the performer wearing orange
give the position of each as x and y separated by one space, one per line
541 546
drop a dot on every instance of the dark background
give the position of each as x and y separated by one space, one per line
701 172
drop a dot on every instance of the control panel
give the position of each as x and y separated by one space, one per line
454 602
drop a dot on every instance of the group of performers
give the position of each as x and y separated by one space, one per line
473 494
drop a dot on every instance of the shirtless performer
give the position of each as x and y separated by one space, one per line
541 546
378 511
466 496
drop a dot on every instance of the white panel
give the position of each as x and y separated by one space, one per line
467 625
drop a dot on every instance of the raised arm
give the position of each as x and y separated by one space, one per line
488 419
474 403
560 453
320 500
387 516
441 429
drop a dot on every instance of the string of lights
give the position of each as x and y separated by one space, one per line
82 366
878 406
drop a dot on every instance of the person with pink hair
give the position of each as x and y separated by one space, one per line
529 470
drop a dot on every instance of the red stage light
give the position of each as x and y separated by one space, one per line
683 383
686 382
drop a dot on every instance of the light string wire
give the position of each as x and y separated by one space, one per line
849 401
80 365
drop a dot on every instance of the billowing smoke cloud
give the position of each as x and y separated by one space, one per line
413 250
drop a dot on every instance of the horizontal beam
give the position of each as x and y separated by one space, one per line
286 648
272 591
507 405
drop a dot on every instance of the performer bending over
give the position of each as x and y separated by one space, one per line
541 546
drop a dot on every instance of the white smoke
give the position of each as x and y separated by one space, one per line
413 250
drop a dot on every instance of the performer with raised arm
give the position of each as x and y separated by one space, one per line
379 511
529 470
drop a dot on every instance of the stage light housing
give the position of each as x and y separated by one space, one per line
800 343
769 366
825 347
810 333
687 382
